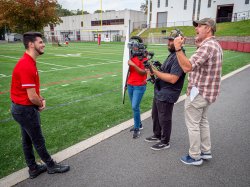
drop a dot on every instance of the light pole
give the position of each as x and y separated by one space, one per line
148 17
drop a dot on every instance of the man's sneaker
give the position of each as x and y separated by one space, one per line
136 133
58 168
206 156
37 171
190 161
152 139
132 129
160 146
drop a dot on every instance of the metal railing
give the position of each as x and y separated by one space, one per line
239 16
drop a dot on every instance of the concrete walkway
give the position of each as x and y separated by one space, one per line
123 161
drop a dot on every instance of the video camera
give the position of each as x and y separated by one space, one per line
148 65
137 47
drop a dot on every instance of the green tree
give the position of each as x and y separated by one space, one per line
79 12
98 11
61 12
28 15
144 6
2 32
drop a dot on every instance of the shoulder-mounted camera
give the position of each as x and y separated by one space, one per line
137 47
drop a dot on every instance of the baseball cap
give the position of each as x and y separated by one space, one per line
206 21
173 34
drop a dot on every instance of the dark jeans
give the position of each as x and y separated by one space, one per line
162 120
28 118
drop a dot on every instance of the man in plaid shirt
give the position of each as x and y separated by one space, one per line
204 79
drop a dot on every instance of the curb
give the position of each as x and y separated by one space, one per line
22 174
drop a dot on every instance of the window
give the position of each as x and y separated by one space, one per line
209 3
108 22
246 2
159 3
166 3
81 23
185 4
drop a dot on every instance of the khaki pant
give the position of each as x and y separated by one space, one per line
197 125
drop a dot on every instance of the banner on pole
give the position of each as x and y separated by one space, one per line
125 66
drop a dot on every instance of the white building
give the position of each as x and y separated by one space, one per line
13 37
111 25
182 12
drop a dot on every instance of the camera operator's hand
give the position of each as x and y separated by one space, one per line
149 72
138 69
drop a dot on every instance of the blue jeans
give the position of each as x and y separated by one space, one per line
28 118
135 94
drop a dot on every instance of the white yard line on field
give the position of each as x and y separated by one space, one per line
36 61
2 75
7 76
64 67
81 66
65 85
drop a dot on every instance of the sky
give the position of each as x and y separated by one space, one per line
92 5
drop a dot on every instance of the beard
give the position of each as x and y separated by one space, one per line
39 51
171 48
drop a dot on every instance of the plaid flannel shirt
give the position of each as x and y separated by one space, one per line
206 69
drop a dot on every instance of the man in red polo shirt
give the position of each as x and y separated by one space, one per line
26 105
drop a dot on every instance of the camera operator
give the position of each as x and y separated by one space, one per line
136 85
167 90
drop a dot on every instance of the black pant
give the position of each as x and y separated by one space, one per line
28 118
162 120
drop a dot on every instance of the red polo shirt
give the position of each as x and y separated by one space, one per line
135 79
25 75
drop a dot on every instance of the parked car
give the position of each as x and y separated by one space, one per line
13 37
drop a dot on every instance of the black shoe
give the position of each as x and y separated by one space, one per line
152 139
37 171
58 168
136 133
132 129
160 146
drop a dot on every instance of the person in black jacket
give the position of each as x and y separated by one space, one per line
167 89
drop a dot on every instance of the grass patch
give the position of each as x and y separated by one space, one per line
240 28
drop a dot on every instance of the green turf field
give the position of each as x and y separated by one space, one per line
82 85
